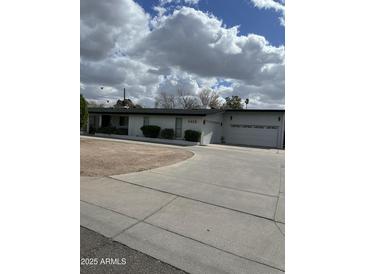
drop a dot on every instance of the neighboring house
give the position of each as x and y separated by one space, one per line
252 127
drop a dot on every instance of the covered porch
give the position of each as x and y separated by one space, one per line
117 121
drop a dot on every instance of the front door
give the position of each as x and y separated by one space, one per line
178 127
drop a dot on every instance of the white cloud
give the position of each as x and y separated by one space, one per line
191 2
186 2
167 2
197 43
179 80
160 10
271 4
268 4
187 49
108 25
268 95
114 74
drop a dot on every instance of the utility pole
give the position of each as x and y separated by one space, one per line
246 102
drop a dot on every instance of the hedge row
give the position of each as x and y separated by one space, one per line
167 133
192 135
152 131
111 130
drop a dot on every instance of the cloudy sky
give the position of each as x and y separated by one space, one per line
235 47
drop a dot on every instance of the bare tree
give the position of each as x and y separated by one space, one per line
214 101
209 98
204 96
191 103
187 100
164 100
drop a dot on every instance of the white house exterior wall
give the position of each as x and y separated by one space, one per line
192 123
267 119
135 123
212 129
163 121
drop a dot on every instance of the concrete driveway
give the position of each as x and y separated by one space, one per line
221 211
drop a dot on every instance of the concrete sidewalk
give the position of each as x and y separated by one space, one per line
221 211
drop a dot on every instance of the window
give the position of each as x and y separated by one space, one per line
123 121
106 120
146 121
178 127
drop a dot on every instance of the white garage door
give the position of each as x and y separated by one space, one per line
253 135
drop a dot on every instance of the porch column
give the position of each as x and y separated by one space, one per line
88 124
100 121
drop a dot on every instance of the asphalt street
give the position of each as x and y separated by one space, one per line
97 252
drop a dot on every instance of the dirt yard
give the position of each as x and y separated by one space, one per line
104 158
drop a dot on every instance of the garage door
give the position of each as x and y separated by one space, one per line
253 135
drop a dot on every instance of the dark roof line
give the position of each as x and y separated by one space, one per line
162 111
155 111
256 110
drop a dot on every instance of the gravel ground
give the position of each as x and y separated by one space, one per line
105 158
97 249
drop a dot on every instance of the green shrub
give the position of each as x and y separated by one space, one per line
192 135
151 131
121 131
84 115
106 130
109 130
167 133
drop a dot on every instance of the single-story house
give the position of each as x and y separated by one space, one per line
252 127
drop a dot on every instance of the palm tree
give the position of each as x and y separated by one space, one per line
246 102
